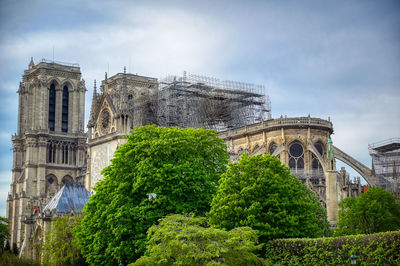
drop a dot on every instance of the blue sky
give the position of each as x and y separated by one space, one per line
337 59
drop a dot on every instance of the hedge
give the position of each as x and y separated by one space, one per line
374 249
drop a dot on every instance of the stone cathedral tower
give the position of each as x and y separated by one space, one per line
50 144
124 102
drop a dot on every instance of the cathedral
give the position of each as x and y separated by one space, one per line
56 164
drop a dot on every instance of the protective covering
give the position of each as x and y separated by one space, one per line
71 197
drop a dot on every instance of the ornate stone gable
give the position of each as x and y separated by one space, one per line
105 122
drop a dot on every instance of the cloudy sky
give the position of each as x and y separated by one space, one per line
337 59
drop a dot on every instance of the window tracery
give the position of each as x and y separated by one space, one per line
272 148
316 165
296 156
65 103
52 107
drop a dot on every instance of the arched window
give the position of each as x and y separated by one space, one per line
255 148
52 107
51 185
296 156
272 149
316 165
67 180
64 119
62 154
51 153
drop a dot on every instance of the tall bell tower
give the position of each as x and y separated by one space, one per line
50 144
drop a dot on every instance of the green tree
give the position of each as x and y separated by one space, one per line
260 192
60 247
189 240
373 211
3 232
158 171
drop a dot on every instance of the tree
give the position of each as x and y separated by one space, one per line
60 247
189 240
373 211
158 171
260 192
3 232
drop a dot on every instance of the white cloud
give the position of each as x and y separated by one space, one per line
167 41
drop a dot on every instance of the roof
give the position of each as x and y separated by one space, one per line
71 197
385 145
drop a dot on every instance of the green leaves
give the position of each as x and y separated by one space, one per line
60 247
373 211
374 249
4 234
180 166
261 193
186 240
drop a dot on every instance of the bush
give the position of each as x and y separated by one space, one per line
260 192
4 234
372 212
60 247
8 259
188 240
375 249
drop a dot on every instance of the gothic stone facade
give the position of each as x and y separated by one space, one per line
50 144
302 144
124 102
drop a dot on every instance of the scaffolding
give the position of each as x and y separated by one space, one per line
204 102
386 163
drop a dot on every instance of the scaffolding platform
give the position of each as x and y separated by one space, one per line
386 163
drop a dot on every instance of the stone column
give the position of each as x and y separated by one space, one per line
20 224
331 186
28 230
88 169
41 170
81 109
13 225
35 109
45 106
331 196
29 109
72 111
120 125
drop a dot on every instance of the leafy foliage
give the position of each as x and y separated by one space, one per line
60 247
9 259
157 172
188 240
373 211
260 192
374 249
4 234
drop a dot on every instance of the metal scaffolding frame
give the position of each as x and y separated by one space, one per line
386 163
205 102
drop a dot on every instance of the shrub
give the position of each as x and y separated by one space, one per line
375 249
9 259
188 240
260 192
372 212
